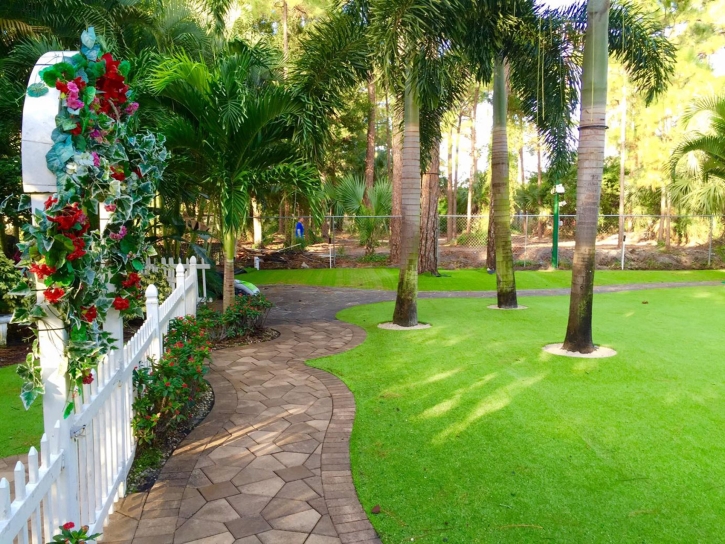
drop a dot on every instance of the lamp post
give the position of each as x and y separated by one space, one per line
558 190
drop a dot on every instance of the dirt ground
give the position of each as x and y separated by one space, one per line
530 254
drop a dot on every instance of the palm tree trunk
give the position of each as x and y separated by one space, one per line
491 235
505 279
539 180
522 175
663 212
406 302
395 221
388 139
428 260
257 223
474 158
451 203
589 176
457 158
230 251
370 154
622 158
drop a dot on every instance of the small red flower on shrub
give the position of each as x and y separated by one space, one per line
50 202
54 294
68 526
120 304
87 378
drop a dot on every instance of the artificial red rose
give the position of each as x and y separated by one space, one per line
61 85
68 526
87 377
89 314
79 251
42 270
77 131
121 303
117 173
133 280
54 294
50 202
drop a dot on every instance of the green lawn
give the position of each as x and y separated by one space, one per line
18 429
467 432
467 279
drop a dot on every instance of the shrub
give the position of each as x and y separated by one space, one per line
167 389
160 280
9 279
245 315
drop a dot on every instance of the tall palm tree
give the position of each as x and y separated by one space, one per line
236 119
698 182
648 57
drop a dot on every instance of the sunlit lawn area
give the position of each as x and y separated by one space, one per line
18 429
467 432
467 279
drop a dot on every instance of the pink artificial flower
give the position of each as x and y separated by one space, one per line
121 233
110 208
131 108
72 101
96 159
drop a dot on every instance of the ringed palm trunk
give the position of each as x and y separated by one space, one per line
505 280
257 223
406 302
589 176
396 221
230 251
451 203
428 260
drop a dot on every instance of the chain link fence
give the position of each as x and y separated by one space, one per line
651 241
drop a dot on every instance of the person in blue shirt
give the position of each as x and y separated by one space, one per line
299 229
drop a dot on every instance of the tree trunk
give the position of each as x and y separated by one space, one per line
457 158
230 251
370 154
668 226
428 260
285 32
396 221
474 159
451 203
406 303
539 180
622 159
491 235
257 223
589 176
505 279
388 139
522 175
663 213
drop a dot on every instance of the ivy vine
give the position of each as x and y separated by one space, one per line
99 161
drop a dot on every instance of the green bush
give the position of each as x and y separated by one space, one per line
9 279
168 389
160 280
245 315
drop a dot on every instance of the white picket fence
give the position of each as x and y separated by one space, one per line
169 267
84 459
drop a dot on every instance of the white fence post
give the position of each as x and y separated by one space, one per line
192 294
152 315
180 284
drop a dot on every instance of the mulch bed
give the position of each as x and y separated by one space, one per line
19 345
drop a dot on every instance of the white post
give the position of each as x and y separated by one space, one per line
152 314
193 294
180 278
114 321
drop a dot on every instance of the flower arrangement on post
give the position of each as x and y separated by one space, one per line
98 160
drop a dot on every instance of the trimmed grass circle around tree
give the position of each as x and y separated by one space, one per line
469 432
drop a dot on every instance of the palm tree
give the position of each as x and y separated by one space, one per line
699 183
648 56
236 119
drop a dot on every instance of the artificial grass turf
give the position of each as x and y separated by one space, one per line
467 432
19 429
467 279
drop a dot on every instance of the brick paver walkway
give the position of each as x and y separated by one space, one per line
270 464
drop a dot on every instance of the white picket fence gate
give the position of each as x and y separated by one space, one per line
84 459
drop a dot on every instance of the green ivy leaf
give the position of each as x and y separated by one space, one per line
137 264
68 410
21 290
36 90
